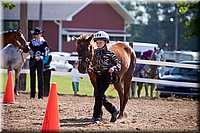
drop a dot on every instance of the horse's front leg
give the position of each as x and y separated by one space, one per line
119 89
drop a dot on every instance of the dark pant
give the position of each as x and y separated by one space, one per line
36 65
47 77
100 98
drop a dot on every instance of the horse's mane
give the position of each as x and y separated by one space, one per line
83 37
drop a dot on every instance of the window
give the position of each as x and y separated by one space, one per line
113 38
69 38
10 25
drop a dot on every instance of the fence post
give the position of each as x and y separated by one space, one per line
22 81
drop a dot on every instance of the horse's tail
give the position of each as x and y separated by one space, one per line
129 74
133 59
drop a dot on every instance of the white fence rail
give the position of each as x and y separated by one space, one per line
172 83
155 81
171 64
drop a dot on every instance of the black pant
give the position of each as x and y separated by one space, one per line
100 98
47 77
36 65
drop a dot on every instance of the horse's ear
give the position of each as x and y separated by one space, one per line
75 38
90 38
19 30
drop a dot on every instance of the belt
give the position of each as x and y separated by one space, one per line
100 72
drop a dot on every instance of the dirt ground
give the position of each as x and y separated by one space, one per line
75 112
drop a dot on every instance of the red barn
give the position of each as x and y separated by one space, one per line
62 21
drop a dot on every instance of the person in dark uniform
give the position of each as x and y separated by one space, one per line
38 46
47 72
106 64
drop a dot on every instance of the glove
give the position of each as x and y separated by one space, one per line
39 58
111 70
91 69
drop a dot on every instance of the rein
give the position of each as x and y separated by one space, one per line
90 57
22 56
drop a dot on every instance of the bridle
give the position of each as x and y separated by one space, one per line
21 46
20 37
88 58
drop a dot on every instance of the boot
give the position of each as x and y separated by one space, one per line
96 120
16 93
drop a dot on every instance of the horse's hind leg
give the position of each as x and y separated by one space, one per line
119 89
127 82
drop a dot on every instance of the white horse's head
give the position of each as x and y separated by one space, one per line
158 52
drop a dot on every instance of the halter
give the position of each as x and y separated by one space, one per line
87 59
15 39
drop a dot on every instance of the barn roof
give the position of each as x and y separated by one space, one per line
62 10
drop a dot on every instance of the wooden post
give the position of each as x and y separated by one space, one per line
22 81
24 29
24 18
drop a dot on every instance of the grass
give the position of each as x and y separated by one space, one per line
64 85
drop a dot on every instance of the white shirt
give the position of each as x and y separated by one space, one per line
38 42
75 75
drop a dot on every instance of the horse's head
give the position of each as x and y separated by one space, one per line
14 37
157 55
83 48
20 38
26 48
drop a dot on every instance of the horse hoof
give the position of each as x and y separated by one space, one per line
120 116
16 93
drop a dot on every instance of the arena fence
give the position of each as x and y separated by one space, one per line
169 64
136 79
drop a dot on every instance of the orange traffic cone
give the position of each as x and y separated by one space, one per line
9 91
51 120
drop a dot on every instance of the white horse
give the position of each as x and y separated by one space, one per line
13 59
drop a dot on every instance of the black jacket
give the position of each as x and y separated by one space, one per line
105 59
38 47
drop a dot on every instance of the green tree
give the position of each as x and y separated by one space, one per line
8 5
160 26
192 21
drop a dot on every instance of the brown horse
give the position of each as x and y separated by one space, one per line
148 71
153 73
14 37
85 49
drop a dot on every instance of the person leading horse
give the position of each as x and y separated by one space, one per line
106 64
121 79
